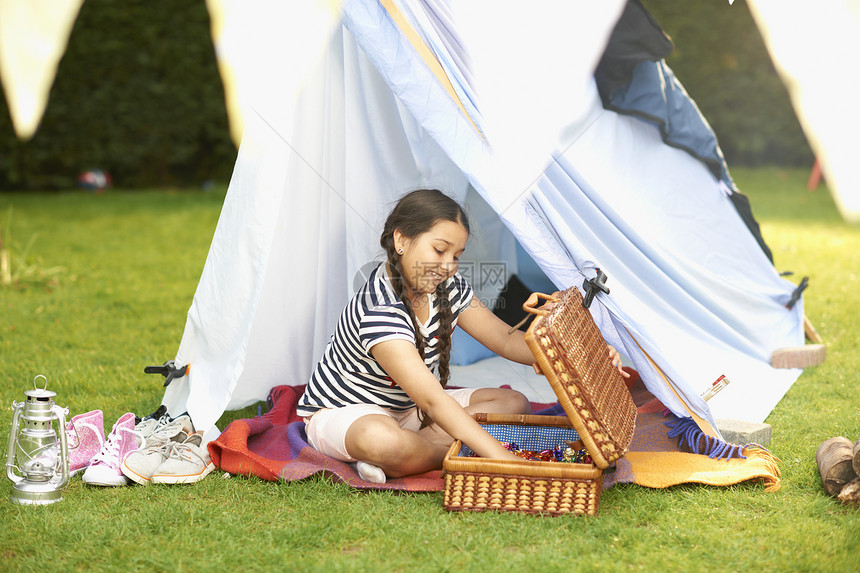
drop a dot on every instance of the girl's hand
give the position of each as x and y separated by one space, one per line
616 360
400 359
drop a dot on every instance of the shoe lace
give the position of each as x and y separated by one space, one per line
146 427
168 427
160 423
185 450
78 427
110 449
164 428
163 421
146 440
166 448
170 430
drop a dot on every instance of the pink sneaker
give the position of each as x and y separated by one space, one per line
86 435
105 467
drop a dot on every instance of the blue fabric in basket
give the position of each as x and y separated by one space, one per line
530 438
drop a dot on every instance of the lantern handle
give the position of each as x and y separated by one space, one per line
13 441
60 413
45 387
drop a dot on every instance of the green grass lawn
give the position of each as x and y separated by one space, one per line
130 264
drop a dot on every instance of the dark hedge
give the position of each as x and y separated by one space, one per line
722 61
138 94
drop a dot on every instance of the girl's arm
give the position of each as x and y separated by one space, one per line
401 361
491 331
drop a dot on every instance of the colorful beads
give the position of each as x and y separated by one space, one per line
561 453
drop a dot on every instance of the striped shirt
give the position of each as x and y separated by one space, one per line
347 373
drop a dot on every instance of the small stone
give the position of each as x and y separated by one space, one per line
742 433
799 356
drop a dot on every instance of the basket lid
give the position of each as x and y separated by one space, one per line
573 355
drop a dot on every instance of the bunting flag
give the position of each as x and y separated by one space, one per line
266 42
813 47
249 37
33 39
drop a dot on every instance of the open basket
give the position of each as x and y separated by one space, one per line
571 352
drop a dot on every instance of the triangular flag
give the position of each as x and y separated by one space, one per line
33 38
266 47
811 46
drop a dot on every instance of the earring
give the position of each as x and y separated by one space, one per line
399 251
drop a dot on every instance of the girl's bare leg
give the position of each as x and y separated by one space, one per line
378 440
489 400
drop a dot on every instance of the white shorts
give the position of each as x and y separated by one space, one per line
326 429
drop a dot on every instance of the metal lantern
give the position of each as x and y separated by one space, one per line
42 464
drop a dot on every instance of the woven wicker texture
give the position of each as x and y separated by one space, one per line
554 488
480 492
573 355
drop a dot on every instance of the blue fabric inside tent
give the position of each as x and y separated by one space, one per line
466 350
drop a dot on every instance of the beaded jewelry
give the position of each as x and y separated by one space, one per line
561 453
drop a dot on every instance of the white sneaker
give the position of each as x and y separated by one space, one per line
370 472
142 463
166 427
186 462
146 427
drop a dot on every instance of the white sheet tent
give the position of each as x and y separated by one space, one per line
414 93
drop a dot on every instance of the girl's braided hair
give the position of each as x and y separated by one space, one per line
416 213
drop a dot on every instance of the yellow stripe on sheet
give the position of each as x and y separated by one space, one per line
703 424
426 54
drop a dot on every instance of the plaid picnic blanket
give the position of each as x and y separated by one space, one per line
274 447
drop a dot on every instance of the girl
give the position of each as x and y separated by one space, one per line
378 395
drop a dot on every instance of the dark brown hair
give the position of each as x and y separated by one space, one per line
416 213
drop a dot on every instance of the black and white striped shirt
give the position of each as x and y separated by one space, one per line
348 373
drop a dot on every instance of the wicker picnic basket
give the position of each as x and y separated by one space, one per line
571 352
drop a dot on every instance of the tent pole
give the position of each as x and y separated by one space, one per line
703 424
810 331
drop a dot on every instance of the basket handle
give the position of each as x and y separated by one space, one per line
530 305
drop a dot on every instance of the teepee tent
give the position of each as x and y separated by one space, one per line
614 170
